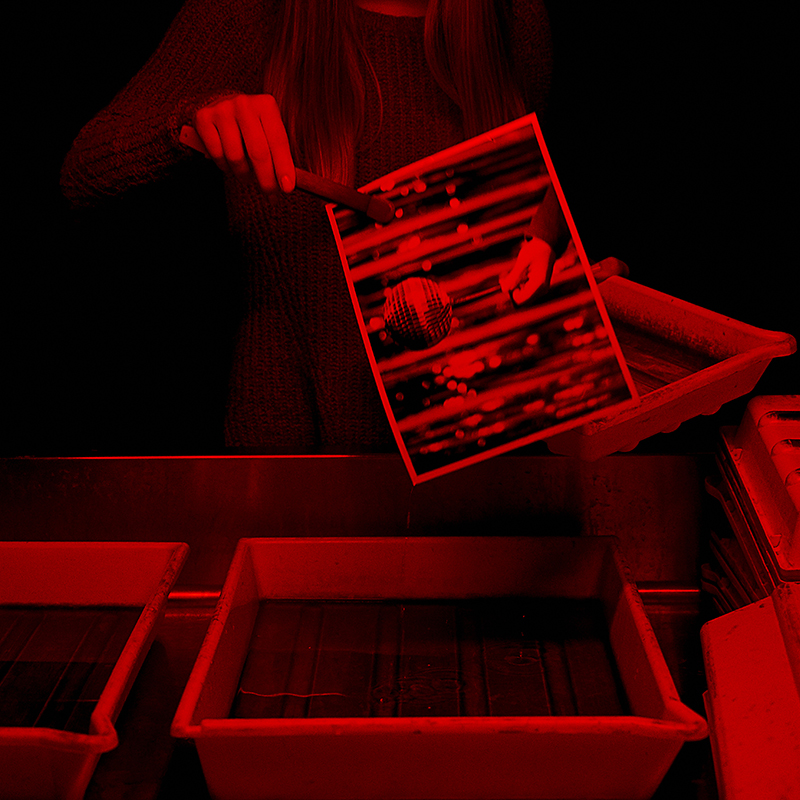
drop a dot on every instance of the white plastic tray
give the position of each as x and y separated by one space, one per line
621 757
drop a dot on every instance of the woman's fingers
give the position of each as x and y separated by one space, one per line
246 138
209 135
530 276
509 281
217 127
257 145
233 148
278 139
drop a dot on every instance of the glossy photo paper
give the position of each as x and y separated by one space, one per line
465 373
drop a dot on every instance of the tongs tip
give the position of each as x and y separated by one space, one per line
380 209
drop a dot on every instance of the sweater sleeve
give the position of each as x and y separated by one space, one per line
549 224
211 49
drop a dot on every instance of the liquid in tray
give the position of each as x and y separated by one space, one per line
55 662
487 657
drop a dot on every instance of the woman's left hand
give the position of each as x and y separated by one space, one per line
530 276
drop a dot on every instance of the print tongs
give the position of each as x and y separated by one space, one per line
377 208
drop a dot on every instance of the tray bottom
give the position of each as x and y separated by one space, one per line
654 361
488 657
55 662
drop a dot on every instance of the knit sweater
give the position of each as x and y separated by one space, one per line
300 378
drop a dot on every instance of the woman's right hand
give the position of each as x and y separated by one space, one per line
245 137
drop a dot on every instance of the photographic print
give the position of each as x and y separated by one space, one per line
464 370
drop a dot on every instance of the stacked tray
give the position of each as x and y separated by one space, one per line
759 491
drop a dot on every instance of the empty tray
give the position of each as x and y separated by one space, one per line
432 667
76 621
684 360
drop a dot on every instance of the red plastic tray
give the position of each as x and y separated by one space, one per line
684 360
57 764
469 755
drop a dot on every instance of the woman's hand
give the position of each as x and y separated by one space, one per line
245 137
530 276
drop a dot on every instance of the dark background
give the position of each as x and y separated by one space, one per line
668 130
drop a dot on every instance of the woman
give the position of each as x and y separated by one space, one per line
350 89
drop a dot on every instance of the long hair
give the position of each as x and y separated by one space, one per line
318 72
